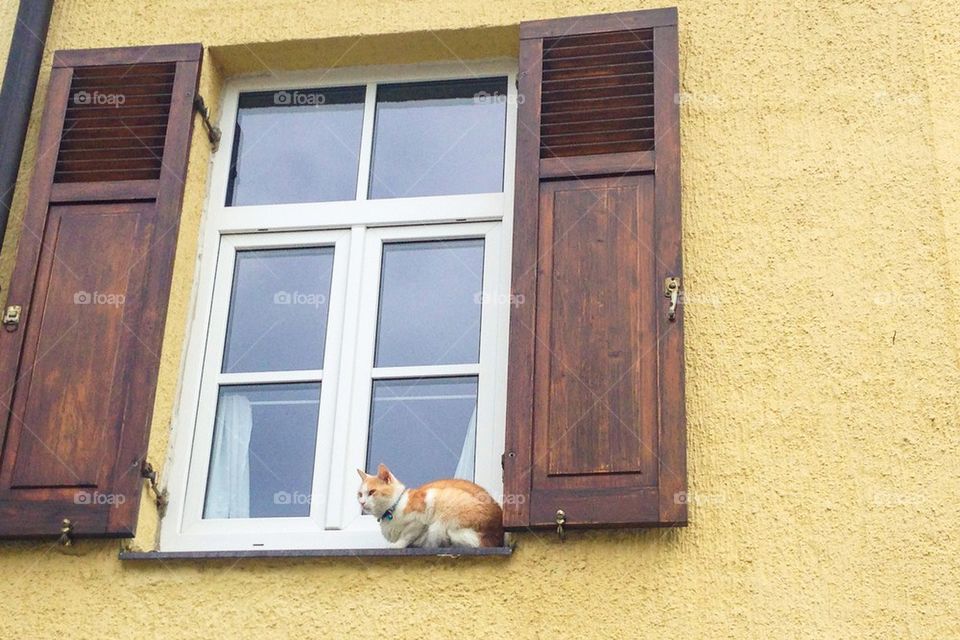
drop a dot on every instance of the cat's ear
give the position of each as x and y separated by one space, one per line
363 474
383 473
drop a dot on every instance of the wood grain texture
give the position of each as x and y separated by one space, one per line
518 457
598 340
93 276
673 430
87 263
595 390
609 164
104 191
595 425
602 23
128 55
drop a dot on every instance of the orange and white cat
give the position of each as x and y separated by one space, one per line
443 513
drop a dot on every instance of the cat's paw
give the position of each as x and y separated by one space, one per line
399 544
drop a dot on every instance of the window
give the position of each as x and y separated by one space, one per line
352 303
352 297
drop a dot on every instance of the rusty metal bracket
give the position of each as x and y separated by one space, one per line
213 132
148 473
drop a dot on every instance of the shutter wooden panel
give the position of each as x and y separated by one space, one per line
595 409
92 278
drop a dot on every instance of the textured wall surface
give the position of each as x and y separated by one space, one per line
821 164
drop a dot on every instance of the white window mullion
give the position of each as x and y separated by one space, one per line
366 141
487 469
356 425
339 215
431 371
268 377
326 420
340 472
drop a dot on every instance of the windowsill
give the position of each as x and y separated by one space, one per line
449 552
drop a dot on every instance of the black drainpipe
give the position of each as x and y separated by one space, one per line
16 94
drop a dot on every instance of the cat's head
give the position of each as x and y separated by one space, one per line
378 492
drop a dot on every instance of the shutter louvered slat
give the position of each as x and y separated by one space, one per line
598 115
613 38
581 73
134 123
576 97
133 120
590 76
602 81
590 126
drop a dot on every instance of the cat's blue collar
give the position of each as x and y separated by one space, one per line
388 514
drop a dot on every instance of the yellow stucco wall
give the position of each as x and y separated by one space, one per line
822 256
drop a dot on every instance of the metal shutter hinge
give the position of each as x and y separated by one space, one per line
561 520
148 473
213 131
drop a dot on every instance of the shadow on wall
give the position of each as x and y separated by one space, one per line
350 51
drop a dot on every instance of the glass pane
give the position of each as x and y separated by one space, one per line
278 310
430 295
297 146
439 138
261 464
424 429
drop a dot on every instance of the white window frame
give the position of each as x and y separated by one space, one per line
357 228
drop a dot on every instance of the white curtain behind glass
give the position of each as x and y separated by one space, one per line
469 450
228 487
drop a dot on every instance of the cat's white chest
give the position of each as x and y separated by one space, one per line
391 529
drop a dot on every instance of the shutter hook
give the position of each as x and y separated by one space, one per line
11 317
561 520
671 289
66 529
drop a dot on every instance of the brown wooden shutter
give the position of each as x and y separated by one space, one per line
595 410
92 277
